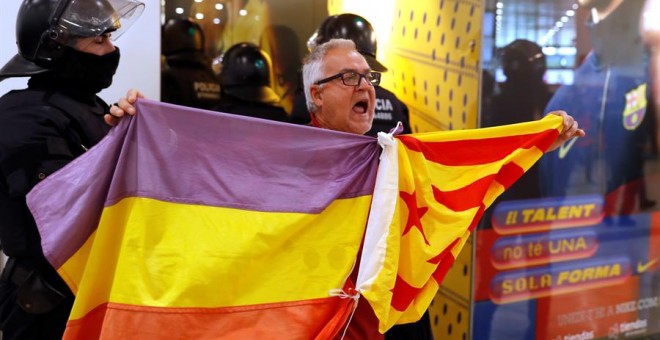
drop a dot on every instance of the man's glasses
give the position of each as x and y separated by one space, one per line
352 78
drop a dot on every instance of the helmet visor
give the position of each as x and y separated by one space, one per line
92 18
312 42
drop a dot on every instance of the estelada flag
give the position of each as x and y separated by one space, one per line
196 224
431 192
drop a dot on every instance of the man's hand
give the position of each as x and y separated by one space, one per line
570 130
124 106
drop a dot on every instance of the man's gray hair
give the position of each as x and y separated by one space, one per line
312 69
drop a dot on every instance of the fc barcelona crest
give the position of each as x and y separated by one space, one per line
635 109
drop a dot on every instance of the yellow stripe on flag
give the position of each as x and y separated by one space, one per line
550 121
153 253
448 178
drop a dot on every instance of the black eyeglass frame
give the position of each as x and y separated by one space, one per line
374 75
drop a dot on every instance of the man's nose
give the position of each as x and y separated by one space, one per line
363 84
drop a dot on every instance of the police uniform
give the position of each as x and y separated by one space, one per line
388 112
247 84
187 77
41 130
523 97
609 99
230 104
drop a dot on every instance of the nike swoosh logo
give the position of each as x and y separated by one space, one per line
564 148
644 267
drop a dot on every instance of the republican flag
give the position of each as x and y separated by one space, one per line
195 224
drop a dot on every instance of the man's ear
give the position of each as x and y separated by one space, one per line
317 95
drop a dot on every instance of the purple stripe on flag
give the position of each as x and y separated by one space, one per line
186 155
67 205
203 157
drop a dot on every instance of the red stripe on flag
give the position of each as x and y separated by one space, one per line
477 217
438 259
477 151
472 195
509 173
310 319
465 198
443 268
403 294
444 262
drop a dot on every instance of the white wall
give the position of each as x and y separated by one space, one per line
139 66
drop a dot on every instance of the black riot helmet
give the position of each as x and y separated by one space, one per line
245 74
182 35
45 27
523 59
352 27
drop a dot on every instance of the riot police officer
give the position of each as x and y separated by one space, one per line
246 83
187 77
524 65
389 109
64 47
522 97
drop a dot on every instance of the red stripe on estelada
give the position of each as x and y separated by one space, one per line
477 151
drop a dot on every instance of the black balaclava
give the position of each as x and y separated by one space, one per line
81 73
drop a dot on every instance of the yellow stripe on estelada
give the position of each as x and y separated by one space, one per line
449 178
548 122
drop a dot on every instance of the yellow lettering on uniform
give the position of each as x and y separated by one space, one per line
563 213
581 244
551 215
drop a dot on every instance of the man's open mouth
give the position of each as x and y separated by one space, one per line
361 107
